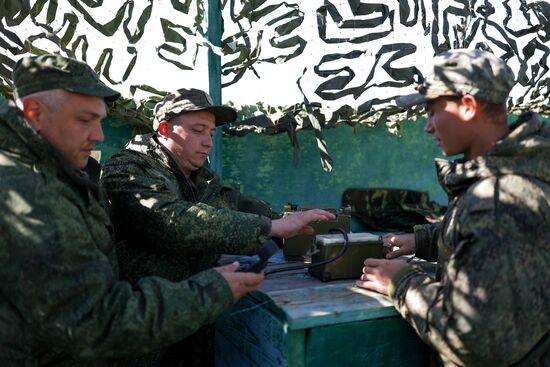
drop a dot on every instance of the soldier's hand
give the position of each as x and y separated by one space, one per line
377 274
297 223
240 283
403 244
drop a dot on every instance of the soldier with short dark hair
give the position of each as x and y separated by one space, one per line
488 304
174 216
61 300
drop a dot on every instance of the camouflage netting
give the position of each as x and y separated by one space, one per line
351 58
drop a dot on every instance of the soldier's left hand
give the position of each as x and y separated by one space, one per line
377 274
240 283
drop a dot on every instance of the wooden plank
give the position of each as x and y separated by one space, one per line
306 302
293 280
330 304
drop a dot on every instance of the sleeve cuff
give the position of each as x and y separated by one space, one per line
422 241
397 278
216 285
265 226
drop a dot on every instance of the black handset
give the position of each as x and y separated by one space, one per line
269 249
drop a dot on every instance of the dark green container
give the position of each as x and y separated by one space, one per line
298 247
350 265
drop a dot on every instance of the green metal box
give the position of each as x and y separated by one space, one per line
350 265
297 248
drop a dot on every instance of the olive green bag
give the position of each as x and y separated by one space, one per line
391 210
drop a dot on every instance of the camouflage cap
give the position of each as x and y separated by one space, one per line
189 100
461 71
39 73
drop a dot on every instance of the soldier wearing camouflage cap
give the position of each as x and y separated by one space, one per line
61 300
473 72
488 305
190 100
175 217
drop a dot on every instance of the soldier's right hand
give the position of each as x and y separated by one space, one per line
240 282
402 244
297 223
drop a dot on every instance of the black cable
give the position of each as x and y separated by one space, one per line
340 253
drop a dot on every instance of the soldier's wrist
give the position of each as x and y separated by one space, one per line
401 274
265 226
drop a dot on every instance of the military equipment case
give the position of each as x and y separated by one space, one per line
350 265
296 248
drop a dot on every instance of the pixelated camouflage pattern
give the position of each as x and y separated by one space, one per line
189 100
61 300
389 210
488 305
173 227
45 72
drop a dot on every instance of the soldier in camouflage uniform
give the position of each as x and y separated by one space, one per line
61 300
174 217
488 304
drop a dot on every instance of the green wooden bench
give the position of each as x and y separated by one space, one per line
297 320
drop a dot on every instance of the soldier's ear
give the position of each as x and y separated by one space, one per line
163 128
34 112
469 108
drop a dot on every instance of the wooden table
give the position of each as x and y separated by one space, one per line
297 320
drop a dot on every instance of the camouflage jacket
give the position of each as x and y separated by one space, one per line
489 304
61 302
172 226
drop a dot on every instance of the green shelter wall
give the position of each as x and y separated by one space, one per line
367 157
116 135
